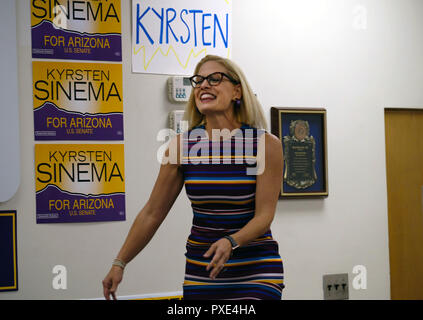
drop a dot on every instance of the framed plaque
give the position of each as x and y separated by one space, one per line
303 136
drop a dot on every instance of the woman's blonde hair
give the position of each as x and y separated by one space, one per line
249 111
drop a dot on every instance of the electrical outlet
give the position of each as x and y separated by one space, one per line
335 286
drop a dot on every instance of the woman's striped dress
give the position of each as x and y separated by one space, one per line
222 197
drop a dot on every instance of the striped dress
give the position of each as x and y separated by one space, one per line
222 197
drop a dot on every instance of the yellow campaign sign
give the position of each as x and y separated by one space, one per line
84 16
79 183
77 101
77 30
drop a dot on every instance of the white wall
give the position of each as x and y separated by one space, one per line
296 54
9 125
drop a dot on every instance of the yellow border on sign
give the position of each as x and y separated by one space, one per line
13 215
163 298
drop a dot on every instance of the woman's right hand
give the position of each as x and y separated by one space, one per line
111 282
168 185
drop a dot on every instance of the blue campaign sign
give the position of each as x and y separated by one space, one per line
8 252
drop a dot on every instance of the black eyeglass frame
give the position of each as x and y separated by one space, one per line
197 84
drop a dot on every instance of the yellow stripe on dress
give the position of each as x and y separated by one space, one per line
233 264
209 244
199 283
218 157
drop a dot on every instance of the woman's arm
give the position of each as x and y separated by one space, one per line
167 188
165 191
267 194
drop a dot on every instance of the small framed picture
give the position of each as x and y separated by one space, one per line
303 135
8 251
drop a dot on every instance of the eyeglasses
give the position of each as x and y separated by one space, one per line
213 79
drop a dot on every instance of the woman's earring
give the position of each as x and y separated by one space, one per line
237 103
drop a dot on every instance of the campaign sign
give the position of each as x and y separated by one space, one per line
76 30
79 182
77 101
170 37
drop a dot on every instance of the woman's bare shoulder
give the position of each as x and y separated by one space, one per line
272 143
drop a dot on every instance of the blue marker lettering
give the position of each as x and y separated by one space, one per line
216 23
140 25
195 24
189 33
205 28
168 24
161 17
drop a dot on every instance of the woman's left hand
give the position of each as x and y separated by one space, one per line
222 250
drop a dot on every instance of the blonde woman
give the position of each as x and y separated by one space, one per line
230 253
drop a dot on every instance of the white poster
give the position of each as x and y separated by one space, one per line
170 37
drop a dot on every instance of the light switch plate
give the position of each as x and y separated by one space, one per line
335 286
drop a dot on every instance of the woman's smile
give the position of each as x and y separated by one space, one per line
207 97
